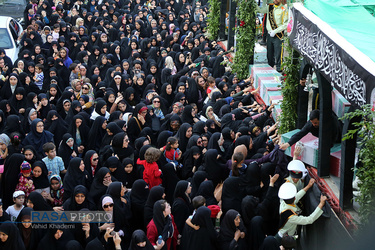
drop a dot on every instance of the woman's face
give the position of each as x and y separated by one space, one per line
188 190
40 127
13 80
108 207
104 60
125 142
111 99
181 89
26 223
104 108
189 132
104 38
156 103
62 53
58 234
104 125
85 89
133 45
96 71
94 159
55 184
167 210
29 155
19 97
210 112
82 166
37 171
204 141
125 65
128 168
79 198
70 142
117 50
153 69
237 221
3 237
140 81
49 39
181 58
169 89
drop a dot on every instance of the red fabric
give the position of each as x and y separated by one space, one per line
152 234
151 174
169 154
215 209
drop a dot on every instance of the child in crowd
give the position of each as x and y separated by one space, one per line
39 76
197 202
14 210
55 164
56 32
4 143
238 166
25 182
171 151
55 196
211 86
152 173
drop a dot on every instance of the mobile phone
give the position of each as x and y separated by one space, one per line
112 233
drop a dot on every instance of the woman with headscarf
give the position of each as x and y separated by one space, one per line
79 200
80 132
232 194
187 115
156 193
36 201
184 133
182 207
170 180
163 224
121 147
74 109
67 149
232 231
138 122
10 177
203 238
18 100
138 197
102 180
206 189
75 175
56 125
100 110
97 133
30 115
13 124
112 130
121 211
10 86
29 235
38 136
215 169
139 241
13 240
40 177
56 238
91 161
167 93
191 160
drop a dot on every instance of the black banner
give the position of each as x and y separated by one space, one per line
354 82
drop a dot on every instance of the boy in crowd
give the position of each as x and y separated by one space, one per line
55 164
14 210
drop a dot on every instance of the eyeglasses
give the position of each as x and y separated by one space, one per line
107 206
95 159
204 140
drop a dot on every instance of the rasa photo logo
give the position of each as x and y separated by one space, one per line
71 217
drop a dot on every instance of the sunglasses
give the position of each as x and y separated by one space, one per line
95 159
107 206
156 101
85 88
183 99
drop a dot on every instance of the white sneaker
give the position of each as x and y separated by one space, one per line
355 183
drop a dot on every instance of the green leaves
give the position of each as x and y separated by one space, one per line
366 172
289 89
213 19
245 37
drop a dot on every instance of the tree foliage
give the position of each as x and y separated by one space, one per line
213 19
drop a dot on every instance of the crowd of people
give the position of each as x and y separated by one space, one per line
126 107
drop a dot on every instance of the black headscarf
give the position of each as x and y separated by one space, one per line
231 195
120 210
156 193
181 135
206 189
37 139
96 134
138 237
117 145
170 181
10 177
14 241
40 204
98 189
65 152
74 176
228 228
163 224
42 181
138 198
57 127
186 116
72 205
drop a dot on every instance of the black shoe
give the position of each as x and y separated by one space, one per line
262 43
